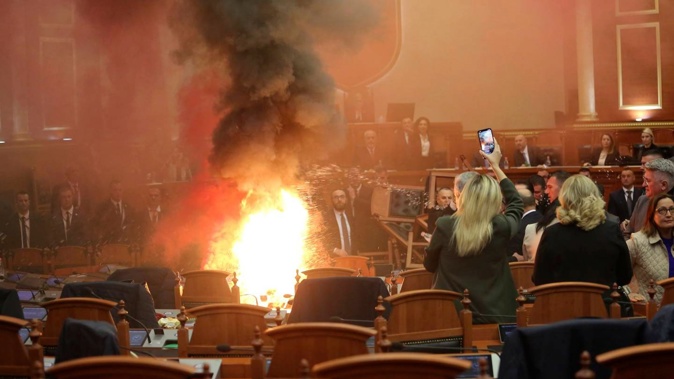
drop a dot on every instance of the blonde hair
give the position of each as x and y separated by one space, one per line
479 202
580 203
648 131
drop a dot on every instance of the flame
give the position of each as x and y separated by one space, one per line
266 246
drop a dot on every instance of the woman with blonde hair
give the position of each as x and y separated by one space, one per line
469 250
647 143
583 246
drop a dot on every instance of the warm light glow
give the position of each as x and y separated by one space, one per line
638 119
269 246
67 139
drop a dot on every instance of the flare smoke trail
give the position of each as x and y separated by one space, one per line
279 106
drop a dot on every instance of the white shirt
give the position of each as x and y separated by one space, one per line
154 212
119 207
64 214
632 193
25 240
425 145
525 154
338 217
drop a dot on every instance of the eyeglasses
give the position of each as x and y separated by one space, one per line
662 211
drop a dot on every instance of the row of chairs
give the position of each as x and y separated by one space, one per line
66 259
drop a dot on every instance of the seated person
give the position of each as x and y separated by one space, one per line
607 155
647 143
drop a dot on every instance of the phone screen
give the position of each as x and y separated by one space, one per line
486 140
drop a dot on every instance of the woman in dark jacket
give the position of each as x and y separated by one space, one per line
469 250
607 155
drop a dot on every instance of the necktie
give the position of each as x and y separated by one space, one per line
345 233
24 233
68 220
630 202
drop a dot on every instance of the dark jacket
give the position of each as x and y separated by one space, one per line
568 253
516 241
617 204
612 159
79 233
535 157
487 274
38 231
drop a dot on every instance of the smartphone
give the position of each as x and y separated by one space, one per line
486 138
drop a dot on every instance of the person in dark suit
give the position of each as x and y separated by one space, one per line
338 226
407 146
370 155
530 216
358 106
24 229
607 155
150 216
80 191
444 206
68 225
583 246
618 203
367 235
114 217
527 155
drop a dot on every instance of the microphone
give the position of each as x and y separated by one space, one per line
147 331
337 319
399 346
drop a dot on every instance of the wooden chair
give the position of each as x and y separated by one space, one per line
356 263
522 272
16 360
392 366
114 367
68 259
205 287
429 315
643 361
29 260
328 272
416 279
82 308
116 253
566 300
668 294
316 342
223 323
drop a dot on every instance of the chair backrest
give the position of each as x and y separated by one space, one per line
316 342
204 287
355 262
14 360
119 367
81 308
66 259
522 272
426 315
637 362
10 304
567 300
668 294
416 279
328 272
138 301
116 253
29 260
392 366
160 280
232 324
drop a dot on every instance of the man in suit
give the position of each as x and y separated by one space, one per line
151 215
69 225
79 193
114 217
444 206
358 107
24 229
658 178
407 145
530 216
370 155
527 155
338 228
621 202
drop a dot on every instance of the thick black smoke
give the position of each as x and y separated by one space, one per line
279 105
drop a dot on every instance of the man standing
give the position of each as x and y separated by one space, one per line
530 216
151 216
527 155
68 224
621 202
658 178
369 156
338 226
24 229
444 206
73 182
407 145
113 217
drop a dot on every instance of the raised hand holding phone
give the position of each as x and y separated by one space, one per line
494 159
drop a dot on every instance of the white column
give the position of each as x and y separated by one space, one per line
19 68
585 55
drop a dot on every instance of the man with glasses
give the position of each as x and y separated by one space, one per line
658 178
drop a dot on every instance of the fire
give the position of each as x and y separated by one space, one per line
267 245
